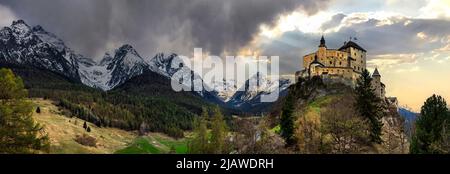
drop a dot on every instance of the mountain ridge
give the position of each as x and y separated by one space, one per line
23 45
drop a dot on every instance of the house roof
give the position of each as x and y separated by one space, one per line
352 44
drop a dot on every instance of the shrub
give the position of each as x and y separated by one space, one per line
86 140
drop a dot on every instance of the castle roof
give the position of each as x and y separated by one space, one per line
376 73
322 42
352 44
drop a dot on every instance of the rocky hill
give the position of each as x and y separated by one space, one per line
326 121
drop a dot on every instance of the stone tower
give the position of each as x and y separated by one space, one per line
322 51
377 85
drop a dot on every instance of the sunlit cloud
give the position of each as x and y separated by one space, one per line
391 60
408 70
436 9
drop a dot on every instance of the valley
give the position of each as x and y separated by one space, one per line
62 131
129 106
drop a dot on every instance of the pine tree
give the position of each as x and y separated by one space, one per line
18 131
88 129
369 106
85 125
172 150
429 126
199 143
287 120
218 132
38 110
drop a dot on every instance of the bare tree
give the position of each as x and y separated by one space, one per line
348 131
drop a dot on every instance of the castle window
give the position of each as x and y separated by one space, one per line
331 62
340 63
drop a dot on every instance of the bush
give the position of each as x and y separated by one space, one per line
86 140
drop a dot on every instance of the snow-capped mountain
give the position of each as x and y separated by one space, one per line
250 93
21 44
225 89
174 68
114 69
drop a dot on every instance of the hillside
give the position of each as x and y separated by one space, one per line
124 109
63 130
325 120
154 85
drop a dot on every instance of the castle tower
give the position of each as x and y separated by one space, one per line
376 74
322 52
322 42
377 85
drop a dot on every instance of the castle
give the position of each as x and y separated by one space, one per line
344 65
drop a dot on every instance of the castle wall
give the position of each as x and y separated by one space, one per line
359 64
308 59
345 64
332 58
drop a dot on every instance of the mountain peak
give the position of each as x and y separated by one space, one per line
127 47
20 27
129 55
18 22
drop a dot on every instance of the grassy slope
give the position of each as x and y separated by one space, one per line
62 130
155 143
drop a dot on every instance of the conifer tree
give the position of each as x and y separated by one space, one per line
85 125
38 110
18 131
429 126
287 120
218 132
199 143
369 106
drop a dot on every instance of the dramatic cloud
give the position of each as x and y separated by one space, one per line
389 39
335 21
158 25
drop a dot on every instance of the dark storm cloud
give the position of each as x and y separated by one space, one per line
400 37
335 20
156 25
